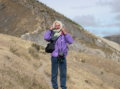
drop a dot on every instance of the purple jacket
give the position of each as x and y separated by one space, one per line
61 43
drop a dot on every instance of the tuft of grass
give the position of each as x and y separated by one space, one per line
19 51
83 61
68 77
87 81
39 48
36 46
33 52
14 49
101 72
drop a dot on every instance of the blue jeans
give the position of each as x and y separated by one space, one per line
54 70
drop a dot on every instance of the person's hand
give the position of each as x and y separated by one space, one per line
64 30
51 28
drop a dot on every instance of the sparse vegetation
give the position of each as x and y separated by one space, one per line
36 74
83 61
14 49
33 52
25 65
36 46
86 81
101 72
35 49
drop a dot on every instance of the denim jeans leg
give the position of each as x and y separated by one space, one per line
54 71
63 73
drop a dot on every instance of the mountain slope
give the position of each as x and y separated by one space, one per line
25 65
18 69
93 62
29 19
115 38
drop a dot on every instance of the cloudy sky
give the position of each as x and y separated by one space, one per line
101 17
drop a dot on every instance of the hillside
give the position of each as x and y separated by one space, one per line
115 38
29 19
25 65
93 62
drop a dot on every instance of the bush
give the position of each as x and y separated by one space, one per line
36 46
33 52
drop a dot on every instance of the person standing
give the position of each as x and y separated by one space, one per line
61 37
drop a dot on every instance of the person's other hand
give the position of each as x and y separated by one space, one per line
64 30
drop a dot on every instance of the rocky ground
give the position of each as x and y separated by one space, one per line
115 38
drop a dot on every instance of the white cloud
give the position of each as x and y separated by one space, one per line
113 4
86 20
117 17
97 14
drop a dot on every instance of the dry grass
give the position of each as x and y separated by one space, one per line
18 69
21 69
94 69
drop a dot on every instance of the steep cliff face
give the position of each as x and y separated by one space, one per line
115 38
29 19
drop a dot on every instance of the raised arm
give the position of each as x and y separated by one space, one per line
68 37
47 35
